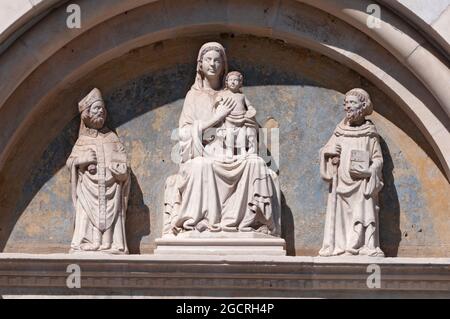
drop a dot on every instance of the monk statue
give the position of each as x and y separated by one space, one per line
217 190
100 180
352 163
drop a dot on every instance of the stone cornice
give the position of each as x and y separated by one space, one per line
222 276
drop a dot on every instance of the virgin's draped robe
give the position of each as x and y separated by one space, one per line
356 199
100 200
241 194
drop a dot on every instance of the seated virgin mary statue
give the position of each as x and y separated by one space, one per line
213 192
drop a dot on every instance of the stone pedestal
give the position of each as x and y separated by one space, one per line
223 243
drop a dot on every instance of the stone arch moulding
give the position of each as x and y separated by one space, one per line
395 57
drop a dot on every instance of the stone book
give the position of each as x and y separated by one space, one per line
359 159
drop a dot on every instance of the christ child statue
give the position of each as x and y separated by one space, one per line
240 125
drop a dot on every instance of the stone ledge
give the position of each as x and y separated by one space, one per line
222 276
221 243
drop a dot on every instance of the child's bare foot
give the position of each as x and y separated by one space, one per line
105 246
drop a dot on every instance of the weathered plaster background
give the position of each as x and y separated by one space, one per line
300 90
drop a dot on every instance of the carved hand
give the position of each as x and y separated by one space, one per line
337 149
224 108
119 171
250 113
334 151
88 157
358 172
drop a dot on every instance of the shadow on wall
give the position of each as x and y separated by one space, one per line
138 217
287 226
286 218
158 90
390 234
53 159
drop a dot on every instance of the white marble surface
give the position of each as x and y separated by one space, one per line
148 276
429 11
231 258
